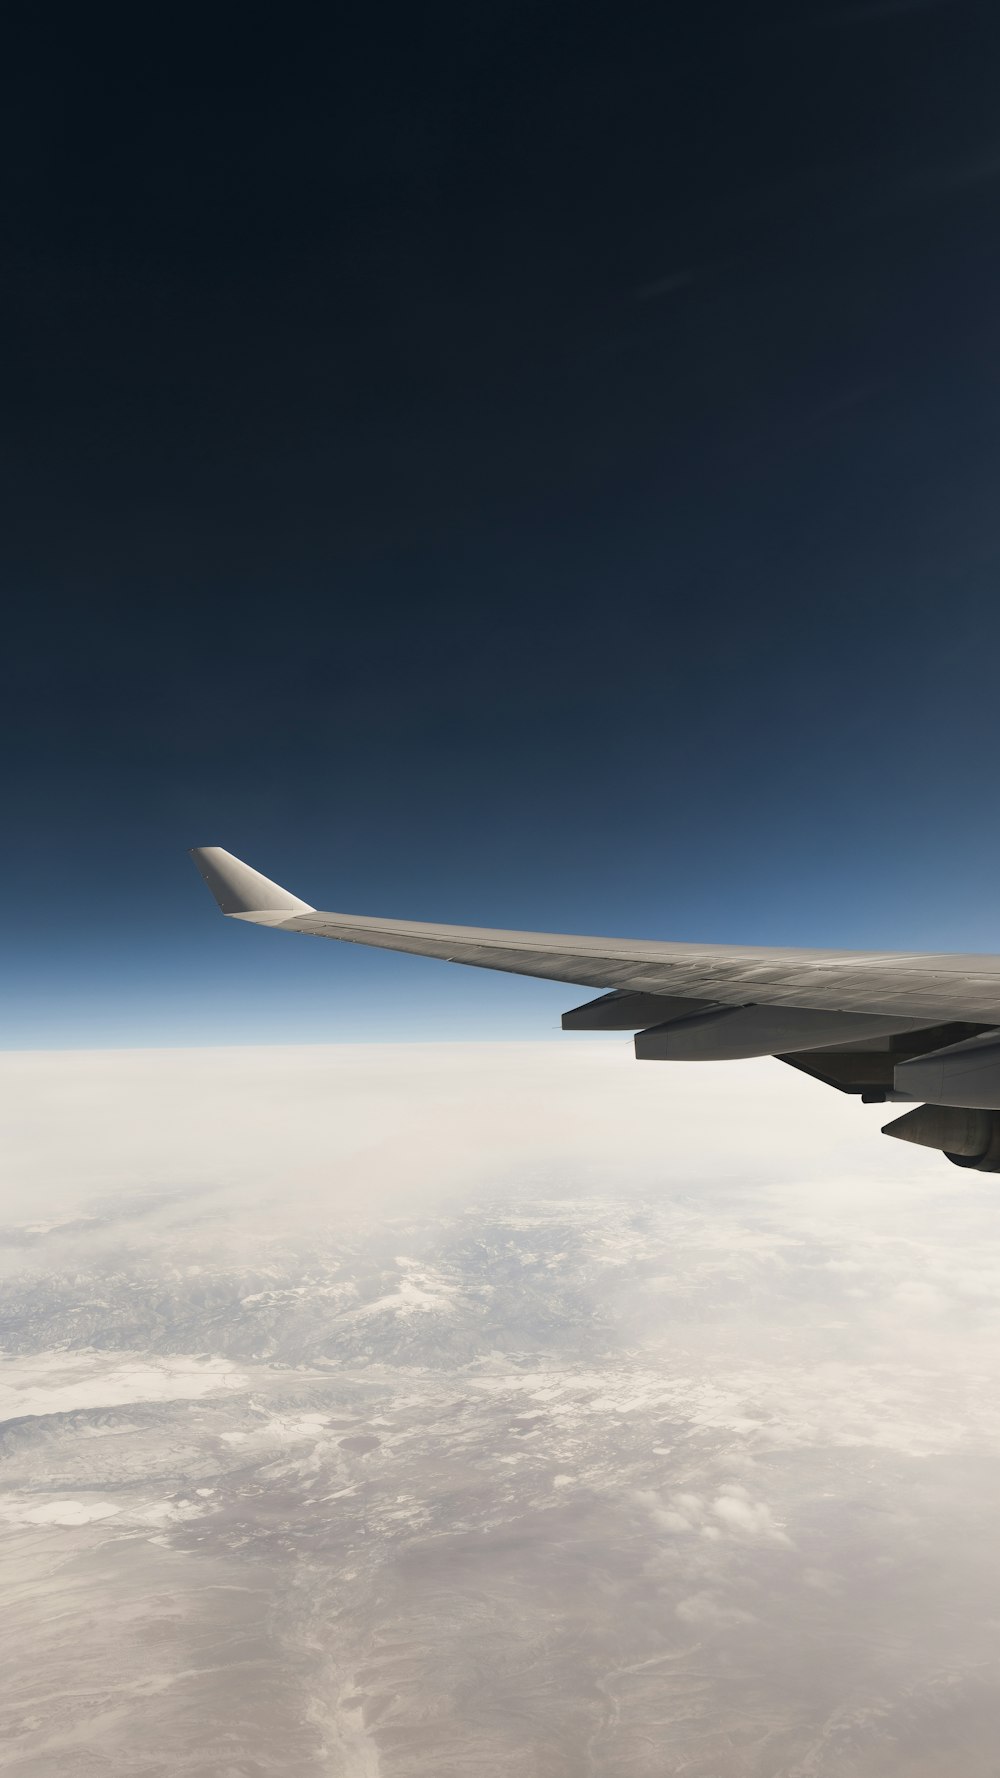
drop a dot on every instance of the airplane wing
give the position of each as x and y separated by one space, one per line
855 1019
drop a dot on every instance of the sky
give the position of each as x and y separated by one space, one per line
530 465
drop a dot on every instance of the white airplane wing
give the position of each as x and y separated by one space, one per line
856 1019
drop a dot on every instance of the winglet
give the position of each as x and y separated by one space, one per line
242 892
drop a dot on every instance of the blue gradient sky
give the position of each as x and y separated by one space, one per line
535 468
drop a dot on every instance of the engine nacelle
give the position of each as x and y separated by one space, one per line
966 1136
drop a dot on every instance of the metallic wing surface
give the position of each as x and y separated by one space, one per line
884 1025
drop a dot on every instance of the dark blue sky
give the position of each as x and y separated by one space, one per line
529 464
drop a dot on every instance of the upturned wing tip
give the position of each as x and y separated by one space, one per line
239 890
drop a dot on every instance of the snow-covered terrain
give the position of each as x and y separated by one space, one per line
571 1482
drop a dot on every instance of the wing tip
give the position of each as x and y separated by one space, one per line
242 891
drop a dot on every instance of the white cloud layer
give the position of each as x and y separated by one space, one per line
686 1361
366 1122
